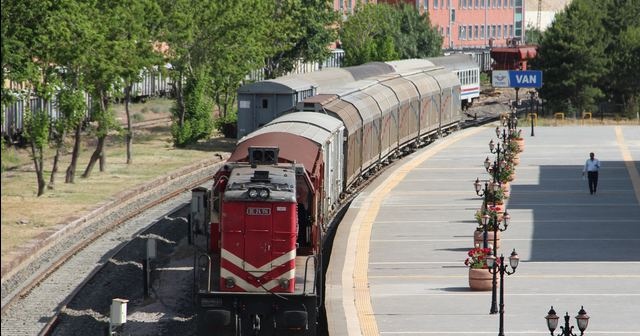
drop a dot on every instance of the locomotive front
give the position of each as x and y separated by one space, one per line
251 280
258 235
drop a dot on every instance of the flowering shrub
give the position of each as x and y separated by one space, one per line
515 134
478 257
506 173
493 214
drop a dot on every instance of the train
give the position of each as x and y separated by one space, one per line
260 102
260 226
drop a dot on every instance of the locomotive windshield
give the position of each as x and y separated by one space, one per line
265 183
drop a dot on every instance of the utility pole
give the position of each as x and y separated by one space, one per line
539 19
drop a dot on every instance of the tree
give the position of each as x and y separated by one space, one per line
36 130
417 38
533 36
298 30
181 30
73 36
623 27
572 56
386 32
235 43
197 123
137 55
28 53
365 35
103 74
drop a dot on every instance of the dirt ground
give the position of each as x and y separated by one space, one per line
25 216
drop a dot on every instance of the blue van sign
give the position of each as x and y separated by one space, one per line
517 79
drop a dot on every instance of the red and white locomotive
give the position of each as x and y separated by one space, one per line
259 231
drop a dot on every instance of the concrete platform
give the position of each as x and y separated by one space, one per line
397 265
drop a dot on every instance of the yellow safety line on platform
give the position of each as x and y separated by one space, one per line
367 215
628 161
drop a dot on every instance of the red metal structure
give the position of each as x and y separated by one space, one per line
512 58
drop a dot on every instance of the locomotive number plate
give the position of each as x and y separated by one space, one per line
258 211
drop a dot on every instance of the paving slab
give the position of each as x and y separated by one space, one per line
397 265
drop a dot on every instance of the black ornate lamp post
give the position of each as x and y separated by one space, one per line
513 120
552 322
532 94
500 267
497 227
485 192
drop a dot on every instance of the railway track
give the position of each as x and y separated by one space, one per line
33 297
34 294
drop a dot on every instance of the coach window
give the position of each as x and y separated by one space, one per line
265 103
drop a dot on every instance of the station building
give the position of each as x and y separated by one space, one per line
465 24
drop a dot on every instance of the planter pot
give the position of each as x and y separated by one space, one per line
480 279
477 238
520 143
506 188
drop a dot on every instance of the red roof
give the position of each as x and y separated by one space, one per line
525 52
293 148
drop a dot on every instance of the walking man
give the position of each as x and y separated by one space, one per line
591 167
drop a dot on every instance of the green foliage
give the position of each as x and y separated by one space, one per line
382 32
137 117
590 54
534 35
197 123
72 106
366 31
231 118
297 30
36 127
622 82
416 37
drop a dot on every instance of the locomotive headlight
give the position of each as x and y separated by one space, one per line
264 193
284 283
253 193
229 282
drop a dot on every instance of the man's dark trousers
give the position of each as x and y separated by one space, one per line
593 181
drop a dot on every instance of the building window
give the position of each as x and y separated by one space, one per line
448 31
511 30
482 32
475 32
426 5
435 4
505 31
470 32
499 32
488 3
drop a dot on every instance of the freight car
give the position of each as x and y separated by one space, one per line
261 102
151 84
259 231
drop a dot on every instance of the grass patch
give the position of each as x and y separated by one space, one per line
24 215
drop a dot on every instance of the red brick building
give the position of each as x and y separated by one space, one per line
465 24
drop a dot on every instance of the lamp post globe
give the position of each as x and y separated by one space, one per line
583 319
552 322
